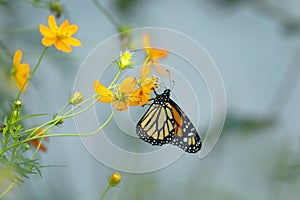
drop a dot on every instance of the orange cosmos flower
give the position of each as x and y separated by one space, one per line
36 142
20 71
147 84
60 36
154 55
125 95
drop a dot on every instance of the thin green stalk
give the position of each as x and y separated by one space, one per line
60 135
37 149
80 135
8 189
66 115
63 108
107 14
34 129
104 193
37 4
80 104
115 79
83 110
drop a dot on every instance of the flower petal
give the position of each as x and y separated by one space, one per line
72 29
105 94
46 41
20 81
72 41
160 69
147 45
145 71
128 85
64 26
153 53
62 46
135 98
23 68
120 105
156 54
146 39
45 31
52 23
17 58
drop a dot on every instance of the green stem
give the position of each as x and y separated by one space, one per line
63 108
34 130
54 121
107 14
8 189
66 115
83 110
37 4
115 79
60 135
37 149
80 104
104 193
80 135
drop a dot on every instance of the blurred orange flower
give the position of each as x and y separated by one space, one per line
20 71
37 142
60 36
125 95
154 55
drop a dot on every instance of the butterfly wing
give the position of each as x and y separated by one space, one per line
157 126
186 135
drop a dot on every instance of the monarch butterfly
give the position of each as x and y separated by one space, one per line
164 122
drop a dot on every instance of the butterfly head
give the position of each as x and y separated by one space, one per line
162 98
167 92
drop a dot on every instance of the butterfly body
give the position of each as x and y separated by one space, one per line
164 122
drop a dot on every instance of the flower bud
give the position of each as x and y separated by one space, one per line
114 179
27 146
76 98
60 120
125 60
56 7
18 104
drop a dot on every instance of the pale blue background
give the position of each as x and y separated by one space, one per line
252 51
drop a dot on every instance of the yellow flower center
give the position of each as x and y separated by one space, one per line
119 96
61 35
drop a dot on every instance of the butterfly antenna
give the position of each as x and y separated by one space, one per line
172 82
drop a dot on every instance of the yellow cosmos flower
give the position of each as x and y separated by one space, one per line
60 36
20 71
124 96
147 84
125 60
154 55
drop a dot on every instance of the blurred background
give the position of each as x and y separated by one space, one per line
254 43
